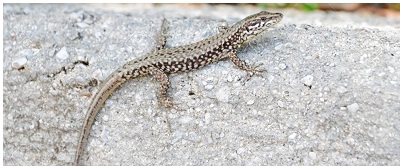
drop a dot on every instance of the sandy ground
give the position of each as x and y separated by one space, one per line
331 94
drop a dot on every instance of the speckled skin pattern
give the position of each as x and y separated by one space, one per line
161 61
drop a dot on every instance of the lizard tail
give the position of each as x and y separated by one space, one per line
106 88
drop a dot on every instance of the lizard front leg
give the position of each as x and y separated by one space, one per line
242 64
161 36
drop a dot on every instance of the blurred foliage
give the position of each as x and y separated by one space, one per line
308 6
394 6
302 6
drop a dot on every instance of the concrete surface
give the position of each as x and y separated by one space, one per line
331 95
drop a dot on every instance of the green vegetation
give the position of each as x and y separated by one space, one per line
302 6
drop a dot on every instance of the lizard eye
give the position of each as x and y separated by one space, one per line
263 18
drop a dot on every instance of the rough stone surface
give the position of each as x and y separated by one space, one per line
353 58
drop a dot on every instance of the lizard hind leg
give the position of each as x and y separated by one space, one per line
162 95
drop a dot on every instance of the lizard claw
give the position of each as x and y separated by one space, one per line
254 71
167 103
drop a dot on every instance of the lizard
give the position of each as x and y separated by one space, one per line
161 61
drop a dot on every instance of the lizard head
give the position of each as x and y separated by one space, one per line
252 25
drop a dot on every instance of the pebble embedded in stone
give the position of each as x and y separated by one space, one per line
19 63
288 45
341 89
230 79
353 107
62 54
209 87
97 73
250 102
292 136
312 155
28 52
104 136
105 118
127 120
280 104
308 80
350 141
10 117
278 47
82 25
221 135
241 150
207 118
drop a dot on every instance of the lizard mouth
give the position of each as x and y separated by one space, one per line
276 18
